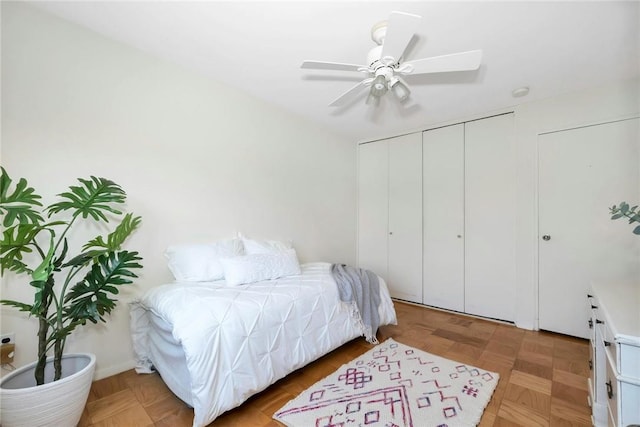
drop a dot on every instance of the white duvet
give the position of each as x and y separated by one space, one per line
234 341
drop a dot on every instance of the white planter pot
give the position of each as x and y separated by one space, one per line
55 403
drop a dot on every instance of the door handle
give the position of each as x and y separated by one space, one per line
546 237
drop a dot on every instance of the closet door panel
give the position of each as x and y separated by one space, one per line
405 217
443 217
490 203
373 206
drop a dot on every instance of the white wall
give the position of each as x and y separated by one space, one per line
200 161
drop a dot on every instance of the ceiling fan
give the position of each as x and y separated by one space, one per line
386 64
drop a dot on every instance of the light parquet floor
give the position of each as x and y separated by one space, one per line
543 376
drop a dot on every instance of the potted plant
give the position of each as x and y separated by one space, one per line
624 211
35 245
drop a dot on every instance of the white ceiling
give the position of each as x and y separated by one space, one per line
552 47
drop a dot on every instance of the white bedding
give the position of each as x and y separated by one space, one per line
216 345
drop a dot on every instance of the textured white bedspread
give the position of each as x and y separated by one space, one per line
238 340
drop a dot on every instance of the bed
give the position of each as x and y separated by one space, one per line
216 345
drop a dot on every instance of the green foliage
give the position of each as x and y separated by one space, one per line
101 262
16 242
89 299
626 211
117 237
97 196
21 204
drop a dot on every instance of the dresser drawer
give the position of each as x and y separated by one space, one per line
629 402
612 392
629 362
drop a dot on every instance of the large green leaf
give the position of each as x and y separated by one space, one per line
91 298
17 241
19 305
84 258
93 198
115 240
19 205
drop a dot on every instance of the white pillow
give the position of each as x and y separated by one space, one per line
264 246
201 262
256 267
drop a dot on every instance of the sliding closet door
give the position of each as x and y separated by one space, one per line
373 206
582 172
443 222
405 217
490 203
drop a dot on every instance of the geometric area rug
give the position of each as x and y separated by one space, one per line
394 385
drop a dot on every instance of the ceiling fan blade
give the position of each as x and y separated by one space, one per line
323 65
463 61
400 28
349 95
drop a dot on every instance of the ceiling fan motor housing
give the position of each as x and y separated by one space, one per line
374 56
378 33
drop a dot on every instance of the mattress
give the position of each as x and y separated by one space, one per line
216 345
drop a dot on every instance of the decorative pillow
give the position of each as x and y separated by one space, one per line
201 262
252 247
256 267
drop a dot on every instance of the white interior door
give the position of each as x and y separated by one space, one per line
583 172
490 219
443 217
373 206
405 217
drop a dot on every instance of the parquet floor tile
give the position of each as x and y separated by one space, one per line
534 400
543 377
535 358
533 368
531 381
521 414
575 413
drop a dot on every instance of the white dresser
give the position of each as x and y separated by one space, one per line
614 385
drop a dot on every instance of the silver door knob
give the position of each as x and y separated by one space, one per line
546 237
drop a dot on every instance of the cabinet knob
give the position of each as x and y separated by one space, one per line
459 236
590 322
391 233
546 237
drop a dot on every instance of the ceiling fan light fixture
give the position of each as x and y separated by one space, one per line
399 89
379 86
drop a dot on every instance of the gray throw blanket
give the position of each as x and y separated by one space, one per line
360 290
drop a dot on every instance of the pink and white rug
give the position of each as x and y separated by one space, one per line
394 385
